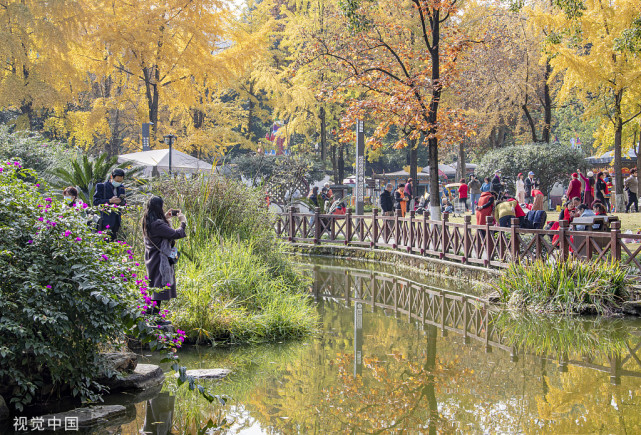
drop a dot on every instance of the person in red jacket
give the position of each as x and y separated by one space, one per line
574 189
462 193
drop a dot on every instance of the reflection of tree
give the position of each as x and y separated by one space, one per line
397 394
578 405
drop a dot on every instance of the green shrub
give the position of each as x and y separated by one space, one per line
65 293
227 293
570 287
34 151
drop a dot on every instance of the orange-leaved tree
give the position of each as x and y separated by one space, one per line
397 59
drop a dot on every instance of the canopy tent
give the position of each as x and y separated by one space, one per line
608 157
157 162
443 170
469 167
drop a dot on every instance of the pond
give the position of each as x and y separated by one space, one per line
397 355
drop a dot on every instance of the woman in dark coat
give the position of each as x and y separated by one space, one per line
160 239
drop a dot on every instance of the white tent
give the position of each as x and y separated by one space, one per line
157 162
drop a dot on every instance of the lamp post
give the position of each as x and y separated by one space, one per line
169 140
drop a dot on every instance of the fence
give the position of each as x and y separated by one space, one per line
485 245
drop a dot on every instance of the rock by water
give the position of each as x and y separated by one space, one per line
207 373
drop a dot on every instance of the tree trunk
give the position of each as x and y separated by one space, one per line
618 132
637 148
432 142
151 92
547 102
341 165
414 164
530 121
250 113
323 134
335 166
461 167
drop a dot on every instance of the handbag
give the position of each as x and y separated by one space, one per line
173 256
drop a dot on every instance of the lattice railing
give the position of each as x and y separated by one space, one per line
486 245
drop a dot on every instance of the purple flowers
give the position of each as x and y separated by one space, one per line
78 239
67 233
104 257
30 242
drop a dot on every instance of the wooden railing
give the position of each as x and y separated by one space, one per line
484 245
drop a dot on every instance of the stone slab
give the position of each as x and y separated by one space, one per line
122 361
207 373
632 308
87 417
144 376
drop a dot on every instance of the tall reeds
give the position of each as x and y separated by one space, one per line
569 287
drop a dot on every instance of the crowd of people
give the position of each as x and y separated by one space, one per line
587 195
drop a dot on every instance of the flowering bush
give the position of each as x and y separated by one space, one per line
64 293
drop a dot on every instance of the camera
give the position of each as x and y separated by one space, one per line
175 212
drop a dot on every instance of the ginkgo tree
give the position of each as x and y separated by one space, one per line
583 43
37 41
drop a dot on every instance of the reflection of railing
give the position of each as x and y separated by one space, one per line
469 316
486 245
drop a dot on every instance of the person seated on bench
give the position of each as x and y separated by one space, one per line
584 212
599 208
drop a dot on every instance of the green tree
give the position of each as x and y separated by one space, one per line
550 163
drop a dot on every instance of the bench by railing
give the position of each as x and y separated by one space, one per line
485 245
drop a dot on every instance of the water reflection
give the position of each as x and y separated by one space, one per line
395 355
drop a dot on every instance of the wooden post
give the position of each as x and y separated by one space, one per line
412 232
467 237
317 226
279 226
292 225
615 240
563 242
348 226
397 228
514 236
425 230
444 235
489 240
374 240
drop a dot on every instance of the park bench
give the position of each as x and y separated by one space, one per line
587 248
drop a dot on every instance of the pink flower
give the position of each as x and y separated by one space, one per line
30 242
49 287
78 239
67 233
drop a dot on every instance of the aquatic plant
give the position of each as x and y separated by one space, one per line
568 287
227 293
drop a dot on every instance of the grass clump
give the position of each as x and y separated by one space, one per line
227 293
569 287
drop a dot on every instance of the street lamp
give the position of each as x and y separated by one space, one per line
169 140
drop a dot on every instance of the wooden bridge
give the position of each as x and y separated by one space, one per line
484 245
471 317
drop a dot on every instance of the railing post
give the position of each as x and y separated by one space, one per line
564 249
348 226
397 228
489 240
317 226
444 235
467 237
374 240
292 225
279 226
514 236
411 229
615 239
425 230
